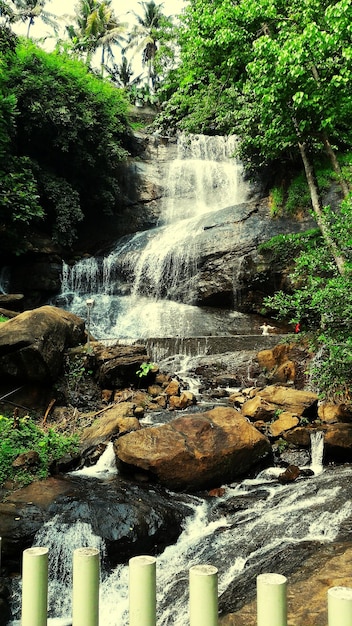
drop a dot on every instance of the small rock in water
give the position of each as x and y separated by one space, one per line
290 474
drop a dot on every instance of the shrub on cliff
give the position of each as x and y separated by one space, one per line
63 133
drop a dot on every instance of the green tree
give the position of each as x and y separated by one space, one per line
277 74
97 27
145 37
26 11
63 133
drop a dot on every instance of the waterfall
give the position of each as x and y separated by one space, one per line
137 286
317 451
106 465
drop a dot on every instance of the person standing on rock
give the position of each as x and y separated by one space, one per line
266 328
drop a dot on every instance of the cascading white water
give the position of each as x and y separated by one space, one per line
106 465
317 451
255 521
202 179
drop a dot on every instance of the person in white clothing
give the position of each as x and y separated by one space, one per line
266 328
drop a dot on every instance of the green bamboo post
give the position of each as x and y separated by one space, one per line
203 595
340 606
142 591
271 600
34 587
85 593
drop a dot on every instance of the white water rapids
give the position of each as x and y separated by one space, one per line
245 532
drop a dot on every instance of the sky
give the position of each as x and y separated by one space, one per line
63 9
123 9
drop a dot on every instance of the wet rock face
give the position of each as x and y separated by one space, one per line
131 519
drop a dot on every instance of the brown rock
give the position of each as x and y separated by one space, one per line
259 409
173 388
32 344
138 412
299 437
187 398
155 390
330 413
338 441
161 401
266 359
237 398
290 474
285 372
26 459
118 365
195 451
106 396
118 419
289 399
217 493
285 422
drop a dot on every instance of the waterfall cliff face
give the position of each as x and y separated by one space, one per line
146 286
197 265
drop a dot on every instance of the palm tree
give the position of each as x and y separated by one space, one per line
122 74
145 35
23 10
97 27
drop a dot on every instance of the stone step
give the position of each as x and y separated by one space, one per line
163 347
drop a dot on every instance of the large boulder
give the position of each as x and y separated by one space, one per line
118 365
196 451
131 519
296 401
32 344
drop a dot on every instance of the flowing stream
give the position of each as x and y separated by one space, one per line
252 528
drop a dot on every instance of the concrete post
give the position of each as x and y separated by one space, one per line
142 591
34 587
340 606
271 600
85 594
203 595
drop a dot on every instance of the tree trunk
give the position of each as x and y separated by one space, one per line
330 152
335 165
318 209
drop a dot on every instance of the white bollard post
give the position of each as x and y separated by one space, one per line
142 591
85 593
340 606
34 587
271 600
203 595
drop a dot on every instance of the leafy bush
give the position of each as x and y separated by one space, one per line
23 435
63 132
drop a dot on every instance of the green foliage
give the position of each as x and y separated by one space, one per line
145 369
76 369
63 132
284 249
23 435
3 319
331 369
321 300
276 201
